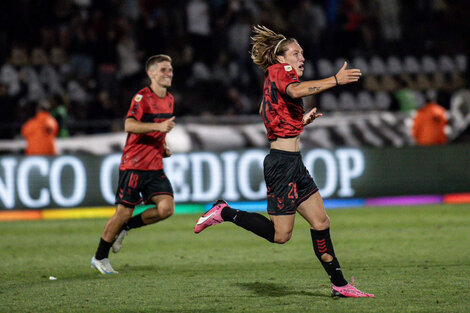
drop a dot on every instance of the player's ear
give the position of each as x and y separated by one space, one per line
151 71
280 59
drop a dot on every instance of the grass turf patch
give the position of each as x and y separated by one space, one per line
415 259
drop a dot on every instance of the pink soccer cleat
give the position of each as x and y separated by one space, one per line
349 291
211 217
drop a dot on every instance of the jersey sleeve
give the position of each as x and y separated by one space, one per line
286 75
136 111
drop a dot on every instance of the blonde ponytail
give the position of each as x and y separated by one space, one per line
267 45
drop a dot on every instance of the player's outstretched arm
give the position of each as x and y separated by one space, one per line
133 126
311 87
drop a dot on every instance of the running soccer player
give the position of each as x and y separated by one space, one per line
148 120
290 187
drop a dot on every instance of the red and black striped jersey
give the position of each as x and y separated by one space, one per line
145 151
282 115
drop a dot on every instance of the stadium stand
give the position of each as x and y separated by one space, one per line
85 57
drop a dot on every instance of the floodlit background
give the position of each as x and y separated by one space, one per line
399 209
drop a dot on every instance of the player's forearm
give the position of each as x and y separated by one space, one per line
136 127
310 87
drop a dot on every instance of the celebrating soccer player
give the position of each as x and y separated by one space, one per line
290 187
148 120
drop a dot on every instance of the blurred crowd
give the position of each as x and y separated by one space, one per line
83 59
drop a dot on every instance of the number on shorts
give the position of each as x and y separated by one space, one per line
133 180
293 191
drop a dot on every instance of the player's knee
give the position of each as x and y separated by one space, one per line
322 224
282 238
166 211
123 213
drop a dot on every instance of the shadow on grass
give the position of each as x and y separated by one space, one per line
276 290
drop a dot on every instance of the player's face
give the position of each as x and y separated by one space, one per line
294 56
162 74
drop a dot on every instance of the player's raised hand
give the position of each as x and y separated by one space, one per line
311 116
167 125
346 76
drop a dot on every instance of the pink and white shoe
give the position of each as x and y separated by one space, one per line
349 291
211 217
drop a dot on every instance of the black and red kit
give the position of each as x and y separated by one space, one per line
145 151
282 115
141 175
287 180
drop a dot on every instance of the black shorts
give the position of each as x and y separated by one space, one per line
136 185
288 182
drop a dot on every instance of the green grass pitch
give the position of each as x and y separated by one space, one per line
415 259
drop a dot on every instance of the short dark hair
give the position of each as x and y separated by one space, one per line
156 59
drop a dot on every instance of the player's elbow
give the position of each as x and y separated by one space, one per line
295 93
129 125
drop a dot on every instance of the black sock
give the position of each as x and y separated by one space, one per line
103 249
134 222
322 244
254 222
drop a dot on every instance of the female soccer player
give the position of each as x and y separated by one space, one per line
290 187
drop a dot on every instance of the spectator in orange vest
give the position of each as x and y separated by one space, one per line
429 123
40 132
